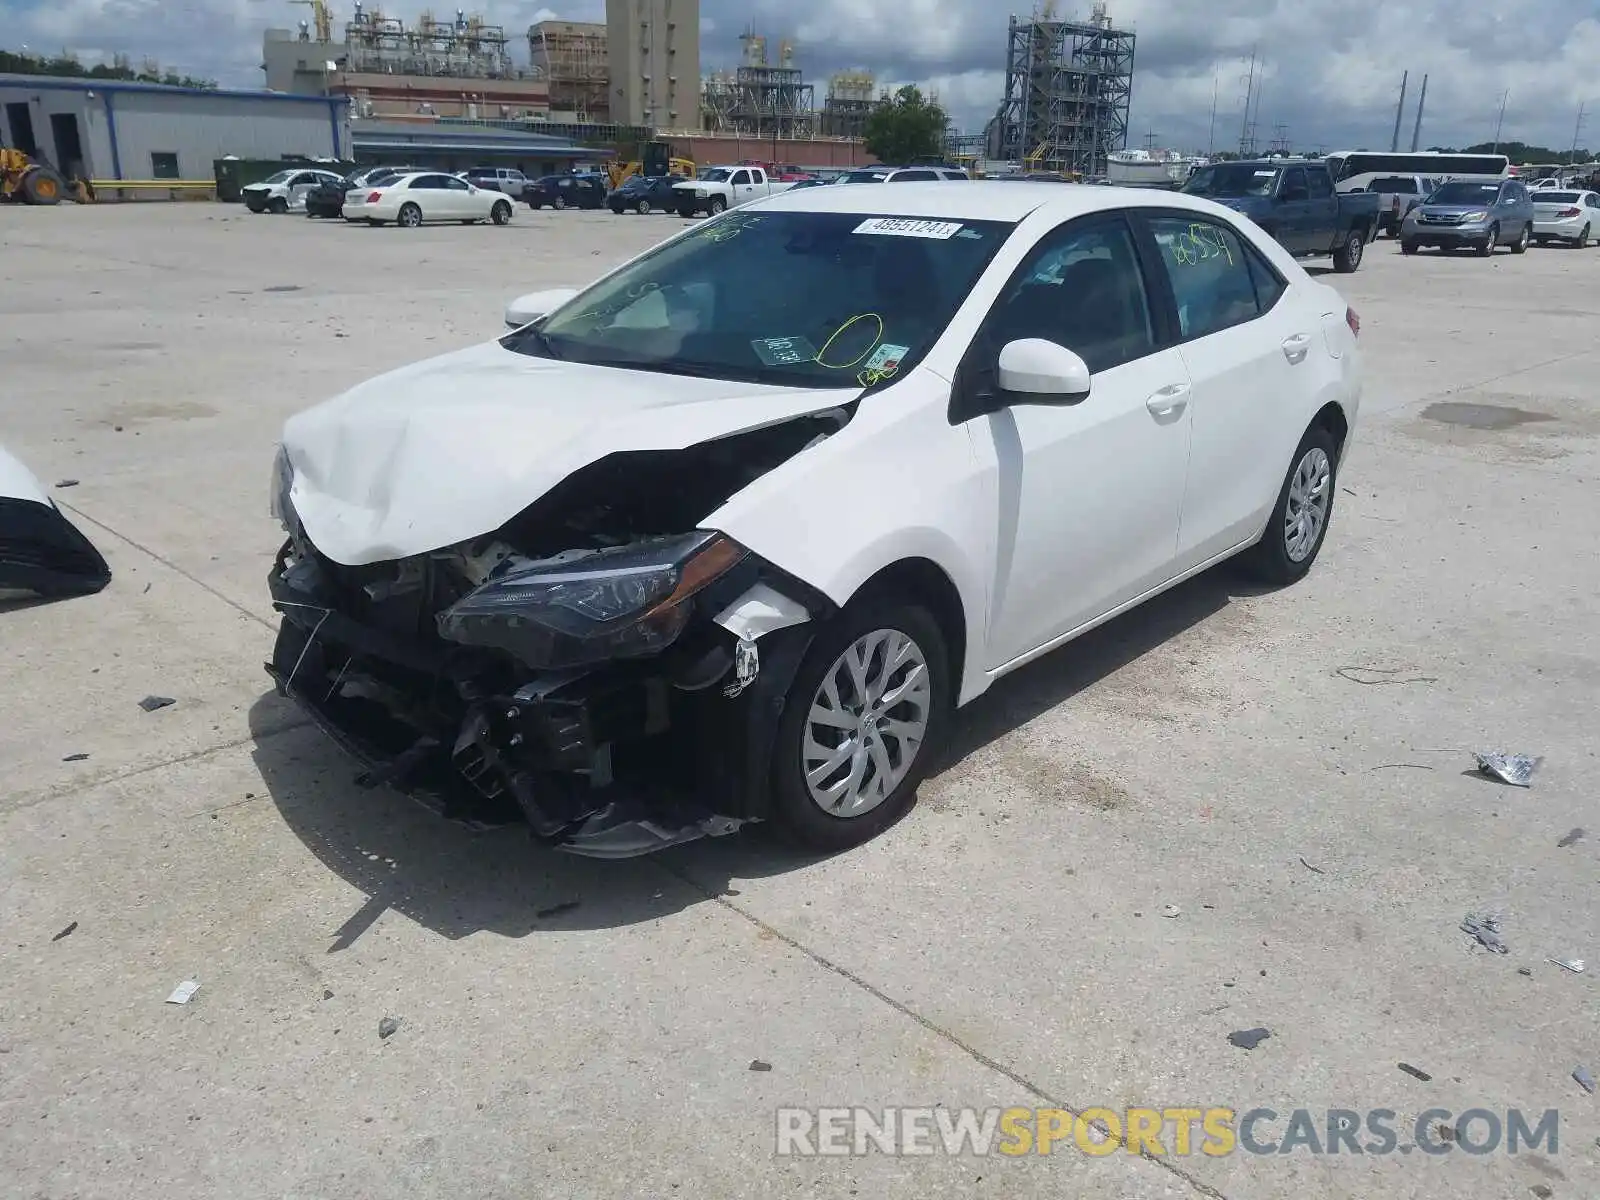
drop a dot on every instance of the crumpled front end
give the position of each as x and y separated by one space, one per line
598 668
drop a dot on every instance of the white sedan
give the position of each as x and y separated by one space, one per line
680 551
410 200
286 191
1572 217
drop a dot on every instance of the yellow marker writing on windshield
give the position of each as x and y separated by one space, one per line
822 355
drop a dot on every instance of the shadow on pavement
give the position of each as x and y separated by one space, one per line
457 882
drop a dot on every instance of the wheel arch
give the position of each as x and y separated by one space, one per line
925 582
1331 416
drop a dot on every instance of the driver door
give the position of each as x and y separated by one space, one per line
1089 493
1293 211
300 186
463 200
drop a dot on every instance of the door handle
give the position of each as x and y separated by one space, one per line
1169 400
1296 347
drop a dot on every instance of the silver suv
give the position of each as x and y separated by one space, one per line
1477 214
903 175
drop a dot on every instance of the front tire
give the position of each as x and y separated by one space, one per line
410 216
278 205
1490 242
870 702
500 214
558 203
642 208
1300 519
717 205
1348 256
1407 246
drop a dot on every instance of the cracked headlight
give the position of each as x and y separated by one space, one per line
574 611
282 480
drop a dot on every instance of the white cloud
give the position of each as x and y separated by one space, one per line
1331 70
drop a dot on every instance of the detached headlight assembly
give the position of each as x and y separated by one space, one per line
620 603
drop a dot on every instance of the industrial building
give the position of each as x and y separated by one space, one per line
1069 85
761 98
852 97
388 69
105 130
653 57
450 146
570 56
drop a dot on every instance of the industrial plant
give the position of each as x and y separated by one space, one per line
1068 88
761 98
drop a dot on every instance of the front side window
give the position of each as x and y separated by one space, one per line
1210 274
913 177
1321 185
863 299
740 177
1081 288
1294 183
456 185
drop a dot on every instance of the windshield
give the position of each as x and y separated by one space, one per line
1232 179
1393 183
1553 197
1461 191
861 299
863 177
280 177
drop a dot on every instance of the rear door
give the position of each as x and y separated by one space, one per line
463 200
1245 347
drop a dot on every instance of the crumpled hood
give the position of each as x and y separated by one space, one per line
454 447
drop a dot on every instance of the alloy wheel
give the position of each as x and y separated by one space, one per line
1306 512
867 723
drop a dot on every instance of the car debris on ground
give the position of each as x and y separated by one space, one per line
1515 769
1415 1072
388 1027
1249 1039
1572 839
67 932
184 992
152 703
1575 965
1486 928
1585 1080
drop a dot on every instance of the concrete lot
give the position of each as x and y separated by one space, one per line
587 1029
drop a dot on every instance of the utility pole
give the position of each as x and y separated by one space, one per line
1211 140
1500 122
1399 111
1416 130
1249 94
1572 156
1255 121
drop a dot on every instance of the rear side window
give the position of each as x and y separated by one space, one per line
913 177
1214 282
1394 183
1321 184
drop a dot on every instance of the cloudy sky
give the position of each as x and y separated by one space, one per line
1332 70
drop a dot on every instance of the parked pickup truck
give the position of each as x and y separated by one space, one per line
717 188
1295 202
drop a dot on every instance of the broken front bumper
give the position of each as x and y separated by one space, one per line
608 763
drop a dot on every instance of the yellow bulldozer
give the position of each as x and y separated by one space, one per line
25 181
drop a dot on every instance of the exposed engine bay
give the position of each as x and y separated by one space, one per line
590 668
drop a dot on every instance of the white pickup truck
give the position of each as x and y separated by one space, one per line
717 188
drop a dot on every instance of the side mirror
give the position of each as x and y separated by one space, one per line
525 310
1039 372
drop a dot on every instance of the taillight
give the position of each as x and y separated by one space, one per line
1353 319
374 197
1569 212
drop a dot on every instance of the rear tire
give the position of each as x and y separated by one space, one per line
1348 256
1520 246
42 186
1300 518
410 216
500 214
801 817
1583 239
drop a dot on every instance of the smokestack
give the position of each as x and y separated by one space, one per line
1416 130
1399 111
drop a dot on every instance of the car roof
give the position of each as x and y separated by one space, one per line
979 200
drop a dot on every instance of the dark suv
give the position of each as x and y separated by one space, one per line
327 200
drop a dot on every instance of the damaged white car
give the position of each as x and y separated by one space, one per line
728 535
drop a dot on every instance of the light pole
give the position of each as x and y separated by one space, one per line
1572 155
1500 122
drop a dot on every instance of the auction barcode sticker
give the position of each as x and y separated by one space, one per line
908 227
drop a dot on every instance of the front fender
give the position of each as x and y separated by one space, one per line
897 483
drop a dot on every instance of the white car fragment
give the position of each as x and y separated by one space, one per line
677 552
40 550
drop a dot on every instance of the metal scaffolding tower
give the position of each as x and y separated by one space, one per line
761 98
1069 85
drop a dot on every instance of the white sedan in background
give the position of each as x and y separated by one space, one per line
1565 216
676 553
410 200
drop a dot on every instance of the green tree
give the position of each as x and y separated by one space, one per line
67 65
906 127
